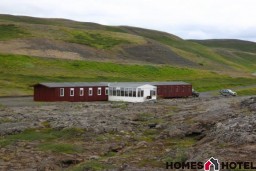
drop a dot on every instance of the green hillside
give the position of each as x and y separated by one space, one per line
237 51
19 73
119 44
240 45
39 50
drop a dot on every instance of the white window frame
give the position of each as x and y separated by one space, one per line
99 91
72 92
62 92
106 91
90 92
81 91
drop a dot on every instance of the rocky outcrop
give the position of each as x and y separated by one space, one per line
191 129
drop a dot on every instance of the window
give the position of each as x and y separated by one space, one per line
90 92
118 92
99 91
134 92
126 92
152 92
106 91
81 92
130 92
122 91
138 94
72 91
114 91
142 93
61 92
111 91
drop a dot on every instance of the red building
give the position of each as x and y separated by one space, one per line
173 89
98 91
73 92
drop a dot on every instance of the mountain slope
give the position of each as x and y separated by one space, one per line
82 49
60 38
94 44
235 44
237 51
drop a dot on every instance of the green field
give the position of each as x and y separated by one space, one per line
20 73
247 92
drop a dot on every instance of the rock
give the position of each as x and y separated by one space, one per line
250 103
116 147
218 125
14 128
152 125
240 130
94 157
176 132
159 126
65 163
142 144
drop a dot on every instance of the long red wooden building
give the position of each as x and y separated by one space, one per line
73 92
98 91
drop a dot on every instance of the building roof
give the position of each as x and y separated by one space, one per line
74 84
129 84
112 84
156 83
170 83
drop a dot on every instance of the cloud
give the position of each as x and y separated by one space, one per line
185 18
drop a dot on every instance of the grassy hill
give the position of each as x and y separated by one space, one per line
240 45
236 51
38 50
19 73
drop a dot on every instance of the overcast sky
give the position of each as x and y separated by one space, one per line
188 19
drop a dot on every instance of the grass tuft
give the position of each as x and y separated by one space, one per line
11 31
97 40
46 134
61 148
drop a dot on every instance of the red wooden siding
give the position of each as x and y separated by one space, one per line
171 91
42 93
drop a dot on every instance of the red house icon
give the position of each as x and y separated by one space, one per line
210 162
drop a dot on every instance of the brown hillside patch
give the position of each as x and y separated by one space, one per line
156 53
50 49
151 53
